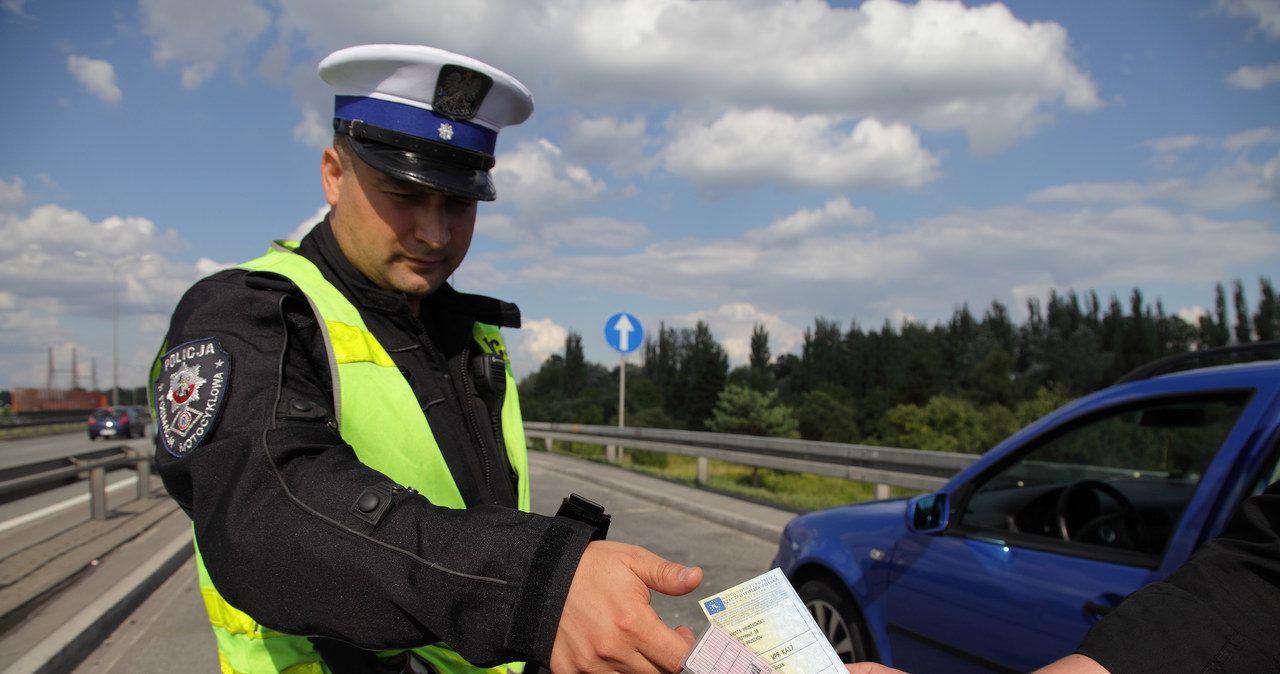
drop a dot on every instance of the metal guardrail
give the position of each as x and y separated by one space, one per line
883 466
27 419
96 468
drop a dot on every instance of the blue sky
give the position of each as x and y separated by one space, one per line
738 162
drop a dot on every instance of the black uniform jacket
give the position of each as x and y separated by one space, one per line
270 488
1218 612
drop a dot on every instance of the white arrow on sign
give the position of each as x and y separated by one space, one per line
625 328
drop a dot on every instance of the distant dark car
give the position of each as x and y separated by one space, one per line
123 422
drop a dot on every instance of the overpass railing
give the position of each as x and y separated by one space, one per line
23 480
883 466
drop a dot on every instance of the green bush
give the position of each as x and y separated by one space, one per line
643 457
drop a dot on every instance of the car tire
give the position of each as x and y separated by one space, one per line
838 618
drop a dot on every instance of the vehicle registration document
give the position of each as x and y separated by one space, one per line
765 615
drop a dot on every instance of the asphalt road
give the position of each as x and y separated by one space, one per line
170 632
20 452
26 520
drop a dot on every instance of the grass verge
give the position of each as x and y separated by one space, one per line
792 491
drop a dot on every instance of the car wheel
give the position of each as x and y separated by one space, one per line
838 618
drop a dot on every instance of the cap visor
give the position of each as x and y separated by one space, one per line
414 167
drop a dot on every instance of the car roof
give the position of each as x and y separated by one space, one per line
1206 359
1232 373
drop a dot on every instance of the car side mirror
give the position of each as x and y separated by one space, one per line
927 514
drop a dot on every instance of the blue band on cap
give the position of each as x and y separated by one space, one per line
415 122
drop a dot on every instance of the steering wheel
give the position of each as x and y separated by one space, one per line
1122 528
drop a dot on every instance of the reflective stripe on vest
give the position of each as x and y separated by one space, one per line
379 416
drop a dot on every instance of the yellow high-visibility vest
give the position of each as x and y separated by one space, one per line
379 416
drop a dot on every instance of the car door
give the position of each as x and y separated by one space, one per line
1004 588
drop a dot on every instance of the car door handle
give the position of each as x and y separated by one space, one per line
1097 608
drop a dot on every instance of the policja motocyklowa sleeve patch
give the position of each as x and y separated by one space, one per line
189 392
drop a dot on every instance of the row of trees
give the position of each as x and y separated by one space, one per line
961 385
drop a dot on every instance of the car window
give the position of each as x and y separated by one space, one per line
1117 480
1269 474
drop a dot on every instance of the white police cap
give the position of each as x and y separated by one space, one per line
424 114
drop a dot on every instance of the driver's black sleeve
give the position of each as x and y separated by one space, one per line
1218 612
269 491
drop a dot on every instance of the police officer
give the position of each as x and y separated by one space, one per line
342 426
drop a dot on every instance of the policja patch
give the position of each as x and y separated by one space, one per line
189 392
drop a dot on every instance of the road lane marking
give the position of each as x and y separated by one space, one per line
62 505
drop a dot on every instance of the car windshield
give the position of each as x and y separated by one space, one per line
1139 463
1174 441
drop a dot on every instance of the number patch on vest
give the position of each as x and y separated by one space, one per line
189 392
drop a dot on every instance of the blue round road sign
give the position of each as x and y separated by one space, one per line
623 332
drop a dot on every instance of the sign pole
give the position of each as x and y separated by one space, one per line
622 400
618 332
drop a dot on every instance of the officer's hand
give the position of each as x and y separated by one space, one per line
1073 664
607 624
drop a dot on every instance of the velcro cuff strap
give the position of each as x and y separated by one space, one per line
527 618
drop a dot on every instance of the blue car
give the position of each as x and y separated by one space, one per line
1007 566
118 422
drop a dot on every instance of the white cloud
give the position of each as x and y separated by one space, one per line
38 259
500 227
47 285
1237 184
537 179
205 266
306 225
1255 77
201 35
1122 192
746 148
733 324
1192 314
1174 143
595 232
899 318
11 194
14 7
1271 176
532 238
536 340
314 129
1228 186
1267 13
622 144
802 223
98 76
1247 139
921 267
935 63
25 339
275 63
